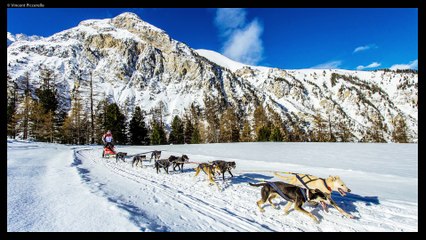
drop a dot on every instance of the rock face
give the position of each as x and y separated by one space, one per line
133 63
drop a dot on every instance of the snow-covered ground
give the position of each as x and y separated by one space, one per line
52 187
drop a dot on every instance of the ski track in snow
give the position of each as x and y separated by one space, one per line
127 198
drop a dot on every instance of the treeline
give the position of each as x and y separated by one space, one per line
415 71
38 117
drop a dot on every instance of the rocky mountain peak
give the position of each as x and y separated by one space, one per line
128 16
133 23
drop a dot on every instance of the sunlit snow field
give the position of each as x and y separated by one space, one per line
52 187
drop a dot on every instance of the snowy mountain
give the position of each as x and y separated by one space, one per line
134 63
20 37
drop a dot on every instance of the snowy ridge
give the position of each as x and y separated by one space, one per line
73 186
220 60
223 61
20 37
134 63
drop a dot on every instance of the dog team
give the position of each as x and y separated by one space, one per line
298 188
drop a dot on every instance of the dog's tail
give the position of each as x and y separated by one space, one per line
258 184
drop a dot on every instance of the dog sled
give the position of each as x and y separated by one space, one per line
109 152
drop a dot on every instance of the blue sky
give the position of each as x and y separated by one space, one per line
364 39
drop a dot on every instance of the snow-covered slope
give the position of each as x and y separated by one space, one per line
133 63
225 62
73 189
220 60
20 37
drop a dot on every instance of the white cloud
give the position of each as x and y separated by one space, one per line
371 65
411 65
245 45
241 40
228 19
364 48
328 65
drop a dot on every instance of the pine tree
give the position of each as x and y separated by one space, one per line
137 129
262 124
331 135
76 120
35 120
59 120
196 138
246 133
400 130
155 135
278 122
46 77
49 103
177 134
203 131
344 132
85 128
297 133
100 128
229 126
12 104
260 118
211 113
189 129
320 129
12 125
195 113
46 130
116 122
375 132
158 135
68 131
276 135
92 114
263 134
76 114
47 99
24 115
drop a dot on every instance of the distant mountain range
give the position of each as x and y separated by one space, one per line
20 37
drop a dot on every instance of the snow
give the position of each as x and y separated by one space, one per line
220 60
223 61
21 37
53 187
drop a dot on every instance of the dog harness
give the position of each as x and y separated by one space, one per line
279 191
210 168
159 162
305 195
325 184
